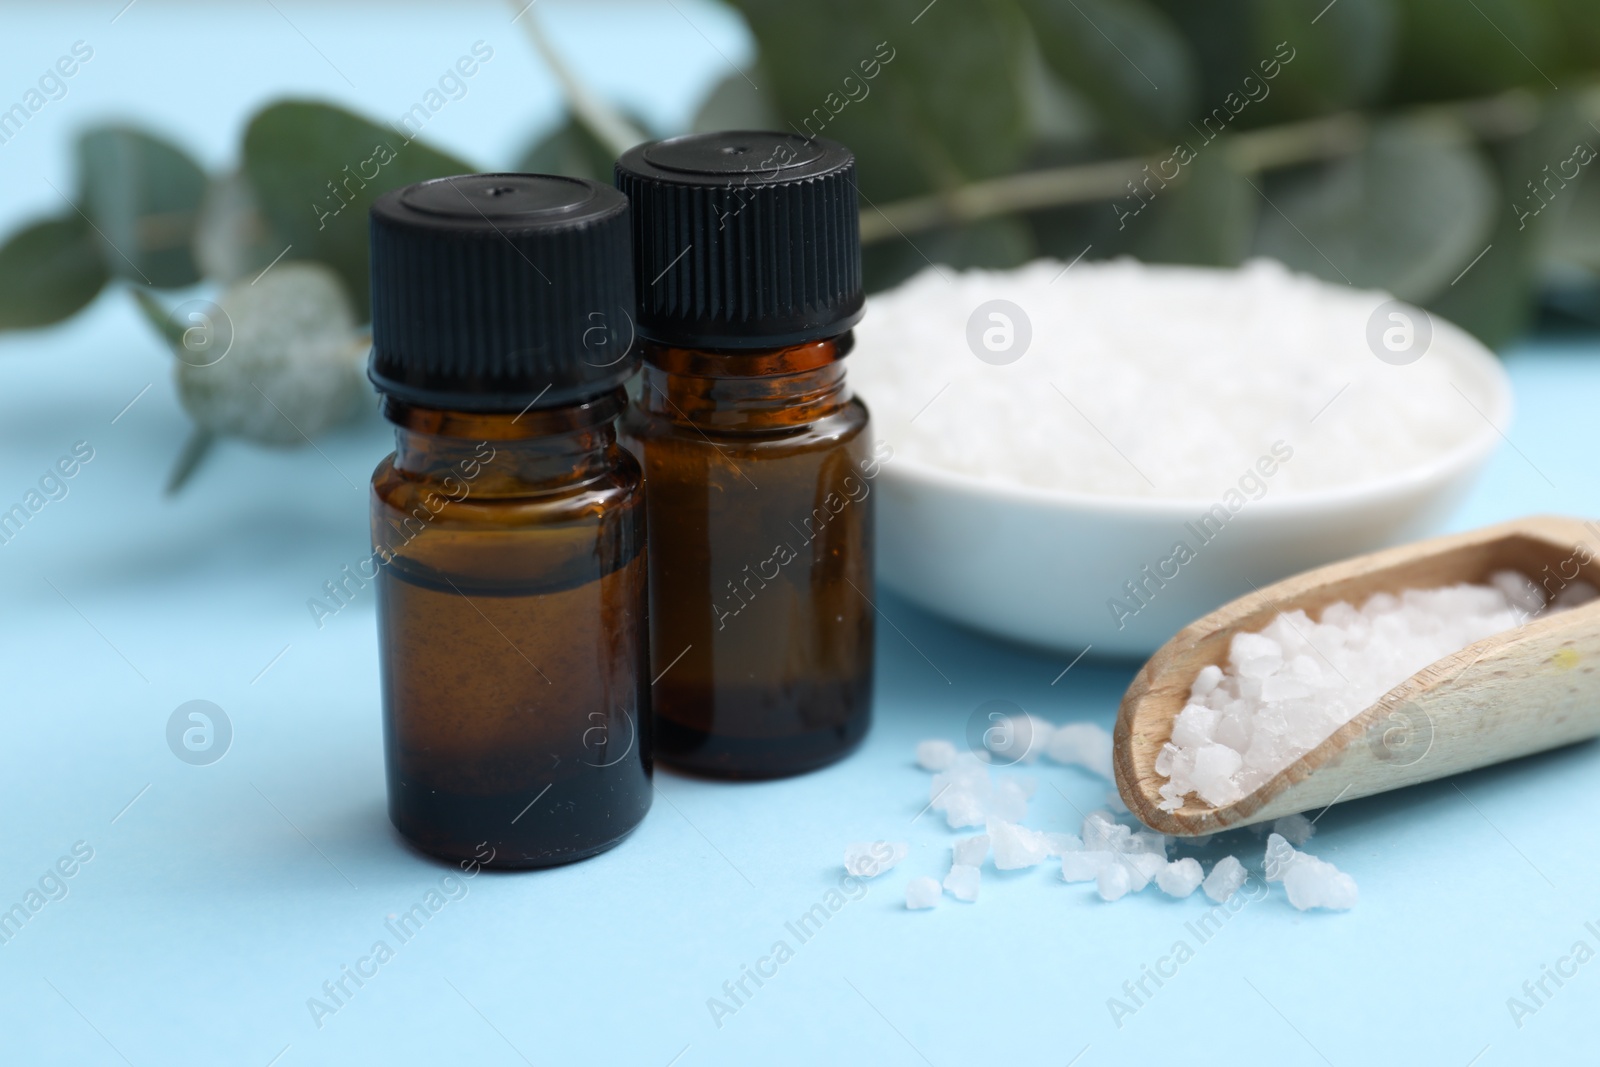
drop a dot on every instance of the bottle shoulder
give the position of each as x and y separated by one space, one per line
499 498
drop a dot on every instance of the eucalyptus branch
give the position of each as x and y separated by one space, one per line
1251 152
601 119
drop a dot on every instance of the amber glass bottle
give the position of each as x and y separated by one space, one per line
508 524
758 459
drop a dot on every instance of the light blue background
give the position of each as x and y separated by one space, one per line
224 896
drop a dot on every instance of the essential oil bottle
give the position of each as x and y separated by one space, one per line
509 525
758 459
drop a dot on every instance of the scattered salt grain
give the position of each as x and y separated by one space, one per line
923 893
935 755
1296 829
1225 879
1016 846
1289 687
1280 856
1010 800
1314 883
1017 738
1309 881
970 851
1082 744
1143 867
1180 877
1113 881
1084 866
962 882
868 859
1056 844
963 791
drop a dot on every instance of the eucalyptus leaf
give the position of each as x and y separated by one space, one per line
928 96
294 363
1449 49
1343 54
1406 214
1127 58
316 169
992 244
735 103
143 195
1578 30
1495 298
49 270
1206 220
233 239
569 149
1302 57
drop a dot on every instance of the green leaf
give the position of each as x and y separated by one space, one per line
49 270
1126 58
928 96
1451 49
316 169
994 244
571 150
735 103
1301 57
1495 298
1206 220
143 195
1406 214
1341 60
1578 30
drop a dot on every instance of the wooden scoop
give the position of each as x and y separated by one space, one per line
1525 690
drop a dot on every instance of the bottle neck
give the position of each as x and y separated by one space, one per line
745 390
505 454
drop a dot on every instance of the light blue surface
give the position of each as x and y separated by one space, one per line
219 899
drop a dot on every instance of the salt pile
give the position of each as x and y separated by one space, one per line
1289 687
1194 373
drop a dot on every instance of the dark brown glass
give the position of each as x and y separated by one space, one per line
760 469
512 632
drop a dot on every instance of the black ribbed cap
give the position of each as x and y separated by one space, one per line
744 239
491 292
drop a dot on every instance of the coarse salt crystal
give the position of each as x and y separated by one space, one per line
935 755
1082 744
923 893
1296 829
962 882
970 851
1315 883
1084 866
868 859
1225 879
1016 846
1180 877
1113 882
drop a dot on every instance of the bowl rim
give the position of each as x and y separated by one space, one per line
1460 458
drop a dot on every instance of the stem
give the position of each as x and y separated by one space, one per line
194 451
1335 136
606 123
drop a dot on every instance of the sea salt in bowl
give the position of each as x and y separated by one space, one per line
1091 458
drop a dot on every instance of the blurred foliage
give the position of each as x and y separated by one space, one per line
1453 112
1383 143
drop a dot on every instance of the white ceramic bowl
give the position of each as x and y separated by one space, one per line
1042 566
